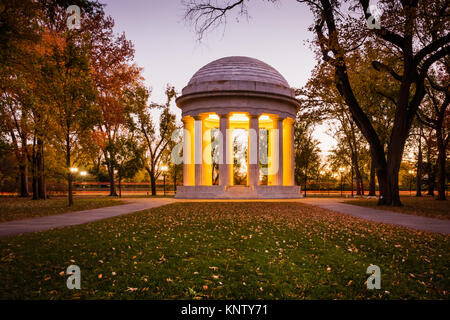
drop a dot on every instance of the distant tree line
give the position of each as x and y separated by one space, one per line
74 97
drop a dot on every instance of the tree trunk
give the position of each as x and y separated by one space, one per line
22 157
23 192
441 165
69 173
372 191
34 184
359 179
431 181
431 173
351 176
419 168
396 147
391 195
42 190
120 187
306 178
381 174
112 182
153 182
70 188
359 185
111 176
97 165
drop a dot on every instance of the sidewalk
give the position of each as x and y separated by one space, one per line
399 219
16 227
12 228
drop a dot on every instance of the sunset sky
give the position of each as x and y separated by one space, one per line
167 47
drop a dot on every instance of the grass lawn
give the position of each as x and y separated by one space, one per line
14 208
423 206
225 250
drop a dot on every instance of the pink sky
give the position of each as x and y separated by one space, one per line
168 50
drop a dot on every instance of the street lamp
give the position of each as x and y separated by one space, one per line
73 170
164 170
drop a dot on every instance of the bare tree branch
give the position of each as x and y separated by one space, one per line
380 66
205 15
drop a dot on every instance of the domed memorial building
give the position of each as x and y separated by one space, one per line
238 93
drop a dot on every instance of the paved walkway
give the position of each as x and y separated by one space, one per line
399 219
12 228
79 217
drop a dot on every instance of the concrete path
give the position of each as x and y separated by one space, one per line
12 228
399 219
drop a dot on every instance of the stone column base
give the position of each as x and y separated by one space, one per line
238 192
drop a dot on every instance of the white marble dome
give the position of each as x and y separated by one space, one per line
229 79
238 68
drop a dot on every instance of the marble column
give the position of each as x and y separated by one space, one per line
188 154
292 153
225 151
279 180
253 152
275 150
198 146
288 152
207 159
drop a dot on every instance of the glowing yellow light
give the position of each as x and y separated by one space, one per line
213 117
83 173
239 117
264 117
